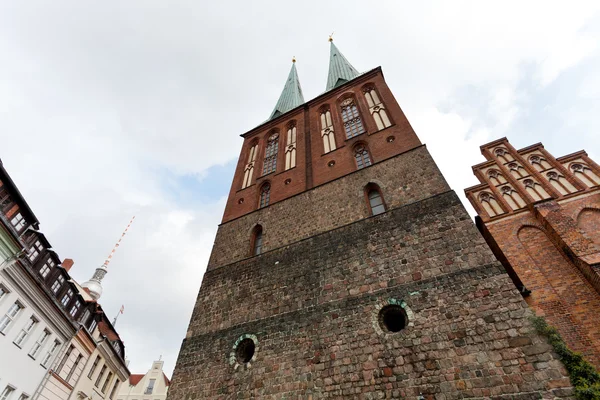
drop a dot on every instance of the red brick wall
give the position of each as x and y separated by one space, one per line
312 167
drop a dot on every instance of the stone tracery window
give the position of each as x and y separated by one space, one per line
327 133
517 170
539 162
249 169
290 149
352 123
270 162
560 183
503 154
585 174
377 109
535 190
362 157
265 195
496 177
490 204
512 197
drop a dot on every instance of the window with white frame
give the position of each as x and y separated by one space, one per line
75 308
18 222
117 347
35 250
74 367
66 299
94 366
23 396
39 344
100 376
10 316
7 392
92 325
47 267
50 353
150 387
65 358
20 339
114 389
107 381
84 317
57 284
3 291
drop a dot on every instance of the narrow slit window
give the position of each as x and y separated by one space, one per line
377 109
257 241
249 169
265 195
290 149
376 202
327 132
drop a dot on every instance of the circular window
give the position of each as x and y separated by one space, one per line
392 318
288 181
241 201
390 139
331 163
245 351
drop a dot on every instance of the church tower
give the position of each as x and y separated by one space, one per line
345 267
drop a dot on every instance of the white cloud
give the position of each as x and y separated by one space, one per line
97 101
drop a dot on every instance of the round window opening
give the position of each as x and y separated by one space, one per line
245 351
392 318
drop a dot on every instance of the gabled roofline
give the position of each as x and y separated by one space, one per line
277 120
6 179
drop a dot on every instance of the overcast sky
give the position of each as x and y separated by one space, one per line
118 108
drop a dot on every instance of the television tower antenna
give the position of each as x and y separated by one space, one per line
112 252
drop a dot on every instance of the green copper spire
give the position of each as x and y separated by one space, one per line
291 97
340 70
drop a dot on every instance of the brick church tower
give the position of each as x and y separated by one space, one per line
345 267
541 217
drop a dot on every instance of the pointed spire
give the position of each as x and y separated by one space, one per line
291 97
340 69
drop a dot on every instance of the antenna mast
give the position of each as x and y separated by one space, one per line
107 261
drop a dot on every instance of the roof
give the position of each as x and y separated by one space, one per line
340 69
291 96
134 379
6 179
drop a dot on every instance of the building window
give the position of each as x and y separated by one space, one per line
361 154
114 389
20 339
3 292
92 325
5 198
35 250
18 222
377 109
84 317
48 265
375 199
94 366
100 376
65 358
74 367
7 392
290 149
270 163
257 239
265 195
327 133
75 308
50 353
585 174
23 396
150 387
352 122
35 350
249 169
10 316
107 381
67 297
57 284
117 348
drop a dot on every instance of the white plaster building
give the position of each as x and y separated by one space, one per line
153 385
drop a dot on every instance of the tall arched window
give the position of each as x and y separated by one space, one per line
257 240
290 148
265 195
361 154
352 122
270 163
249 169
327 131
585 174
376 203
490 205
377 109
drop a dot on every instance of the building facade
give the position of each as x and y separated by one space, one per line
541 217
346 267
153 385
51 328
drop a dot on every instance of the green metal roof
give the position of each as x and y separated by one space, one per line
291 97
340 70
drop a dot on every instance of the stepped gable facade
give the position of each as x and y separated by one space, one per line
345 267
541 217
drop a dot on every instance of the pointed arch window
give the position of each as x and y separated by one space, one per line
377 109
270 163
496 177
376 203
535 190
327 133
490 204
361 154
560 183
265 195
352 123
257 240
585 174
539 162
290 149
249 169
512 197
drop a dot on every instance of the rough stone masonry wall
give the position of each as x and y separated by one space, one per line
312 307
404 179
